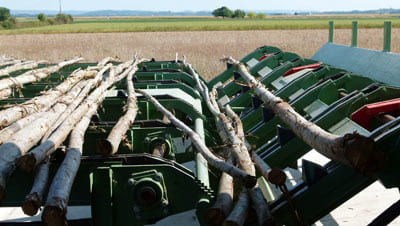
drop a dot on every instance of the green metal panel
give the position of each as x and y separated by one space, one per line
380 66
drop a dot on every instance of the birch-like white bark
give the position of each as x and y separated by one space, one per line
351 149
249 181
36 155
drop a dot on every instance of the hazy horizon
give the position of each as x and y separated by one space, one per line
205 5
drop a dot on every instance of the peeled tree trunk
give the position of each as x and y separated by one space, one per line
34 75
85 91
43 102
20 66
6 62
23 140
352 149
110 145
55 210
5 93
39 153
220 164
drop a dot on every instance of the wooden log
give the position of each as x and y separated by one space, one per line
239 212
110 145
249 181
23 140
57 200
350 149
35 156
85 91
217 214
43 102
20 66
5 93
8 62
160 149
34 75
33 201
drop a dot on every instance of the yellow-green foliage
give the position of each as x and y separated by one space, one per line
201 24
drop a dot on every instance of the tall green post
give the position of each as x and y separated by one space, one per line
354 34
387 36
331 26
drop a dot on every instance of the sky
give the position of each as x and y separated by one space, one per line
182 5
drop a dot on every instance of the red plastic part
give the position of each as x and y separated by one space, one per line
297 69
266 56
364 115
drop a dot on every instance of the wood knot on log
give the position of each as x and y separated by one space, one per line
362 154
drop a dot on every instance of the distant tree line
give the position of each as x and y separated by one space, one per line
8 22
225 12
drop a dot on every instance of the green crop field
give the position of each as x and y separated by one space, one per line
142 24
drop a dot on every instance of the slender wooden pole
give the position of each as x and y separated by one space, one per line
248 180
351 149
110 145
35 156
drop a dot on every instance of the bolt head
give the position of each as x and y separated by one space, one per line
131 182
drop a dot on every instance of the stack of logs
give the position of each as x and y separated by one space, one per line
45 122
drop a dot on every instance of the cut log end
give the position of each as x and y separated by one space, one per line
27 163
215 216
360 151
104 147
250 181
54 216
32 204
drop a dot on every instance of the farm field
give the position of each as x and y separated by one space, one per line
146 24
202 48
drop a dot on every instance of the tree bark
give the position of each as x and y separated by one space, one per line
7 62
43 102
19 143
5 93
110 145
35 156
248 180
353 149
90 85
33 201
34 75
223 205
20 66
57 200
239 212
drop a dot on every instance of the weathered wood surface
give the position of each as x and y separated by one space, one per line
249 181
351 149
110 145
36 155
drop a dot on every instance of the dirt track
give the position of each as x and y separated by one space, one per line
202 49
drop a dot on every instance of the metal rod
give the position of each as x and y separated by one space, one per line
201 162
331 28
387 36
354 36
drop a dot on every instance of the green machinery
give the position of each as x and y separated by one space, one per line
341 89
